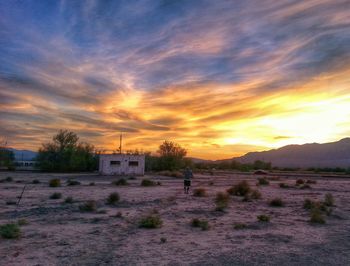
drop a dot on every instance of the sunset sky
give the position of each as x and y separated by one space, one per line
221 78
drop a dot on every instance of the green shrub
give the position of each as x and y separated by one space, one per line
10 231
55 182
89 206
255 194
199 192
56 195
329 200
22 222
35 181
8 179
69 200
147 183
263 218
316 216
113 198
221 201
299 181
262 181
151 221
240 189
203 224
73 182
309 204
283 185
120 182
239 226
276 202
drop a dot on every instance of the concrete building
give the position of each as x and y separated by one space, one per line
122 164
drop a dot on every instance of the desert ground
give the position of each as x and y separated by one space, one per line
60 234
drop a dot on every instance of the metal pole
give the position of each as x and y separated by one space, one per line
20 197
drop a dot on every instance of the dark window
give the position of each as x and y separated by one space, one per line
115 163
133 163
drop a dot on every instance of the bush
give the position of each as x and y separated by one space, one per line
89 206
309 204
147 183
72 182
11 202
305 186
221 201
203 224
69 200
35 181
240 189
316 216
120 182
255 194
277 202
283 185
163 240
211 183
239 226
199 192
91 183
55 182
262 181
56 195
299 181
22 222
263 218
10 231
8 179
113 198
151 221
329 200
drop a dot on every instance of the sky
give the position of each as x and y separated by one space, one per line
221 78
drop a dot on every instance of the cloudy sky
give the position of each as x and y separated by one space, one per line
219 77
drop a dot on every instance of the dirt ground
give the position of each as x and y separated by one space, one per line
59 234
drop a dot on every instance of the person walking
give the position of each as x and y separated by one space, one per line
188 175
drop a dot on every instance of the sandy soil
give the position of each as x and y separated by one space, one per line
59 234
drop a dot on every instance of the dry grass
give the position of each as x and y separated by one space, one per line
200 192
240 189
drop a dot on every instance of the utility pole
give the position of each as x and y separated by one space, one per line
120 143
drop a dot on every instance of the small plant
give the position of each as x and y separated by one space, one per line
309 181
22 222
309 204
283 185
159 183
89 206
120 182
255 194
316 216
277 202
11 202
221 201
211 183
55 182
329 200
151 221
199 192
8 179
263 218
299 182
203 224
73 182
147 183
10 231
239 226
69 200
91 183
262 181
35 181
163 240
305 186
113 198
132 178
240 189
56 195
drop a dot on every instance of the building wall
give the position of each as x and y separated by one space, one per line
122 164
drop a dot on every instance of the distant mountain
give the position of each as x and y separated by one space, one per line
24 155
333 154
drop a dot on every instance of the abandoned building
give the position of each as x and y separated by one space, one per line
122 164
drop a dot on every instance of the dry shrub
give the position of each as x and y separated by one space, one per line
299 182
262 181
221 201
199 192
72 182
10 231
151 221
148 183
91 183
255 194
316 216
240 189
89 206
120 182
69 200
203 224
55 182
22 222
283 185
263 218
239 226
113 198
56 195
276 202
35 181
329 200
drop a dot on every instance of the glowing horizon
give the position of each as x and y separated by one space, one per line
220 78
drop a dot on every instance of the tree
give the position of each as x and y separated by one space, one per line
66 154
171 156
7 156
